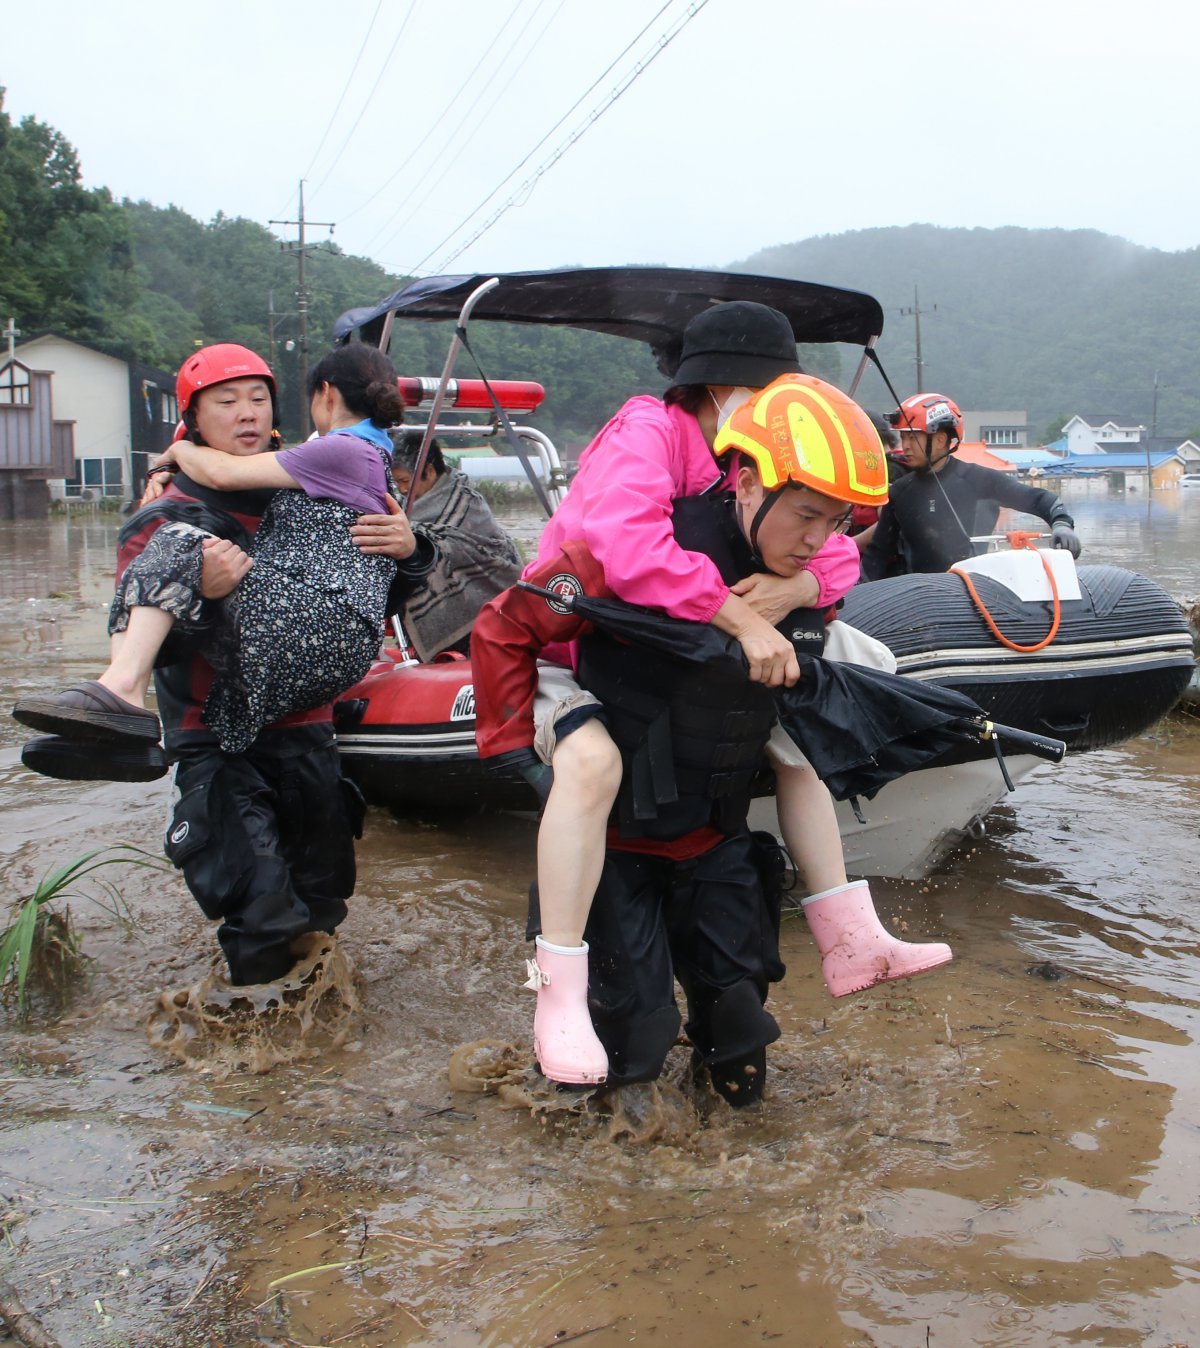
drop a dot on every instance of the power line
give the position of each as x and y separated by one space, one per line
663 42
502 89
369 97
445 112
345 90
449 165
537 145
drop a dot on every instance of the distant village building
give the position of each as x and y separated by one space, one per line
35 446
123 412
1128 469
997 430
1095 434
1035 461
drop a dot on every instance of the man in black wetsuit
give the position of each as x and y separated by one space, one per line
933 512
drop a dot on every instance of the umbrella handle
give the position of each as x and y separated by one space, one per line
1041 746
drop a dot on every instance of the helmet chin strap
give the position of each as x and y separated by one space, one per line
769 499
930 461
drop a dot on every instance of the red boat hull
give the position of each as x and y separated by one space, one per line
407 736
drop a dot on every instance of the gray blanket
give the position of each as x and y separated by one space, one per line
476 560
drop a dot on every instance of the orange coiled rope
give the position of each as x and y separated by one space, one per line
1018 539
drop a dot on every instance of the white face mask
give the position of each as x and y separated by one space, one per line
731 404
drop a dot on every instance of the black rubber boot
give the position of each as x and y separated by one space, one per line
740 1081
644 1047
739 1029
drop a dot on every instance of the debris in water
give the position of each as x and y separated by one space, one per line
1050 972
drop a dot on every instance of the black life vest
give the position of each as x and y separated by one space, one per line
691 737
691 740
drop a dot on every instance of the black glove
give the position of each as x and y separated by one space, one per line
524 763
1066 537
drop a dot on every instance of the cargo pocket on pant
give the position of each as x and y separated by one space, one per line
192 844
770 861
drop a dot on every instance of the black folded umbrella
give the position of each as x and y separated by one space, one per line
859 727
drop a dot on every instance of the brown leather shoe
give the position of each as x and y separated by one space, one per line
88 710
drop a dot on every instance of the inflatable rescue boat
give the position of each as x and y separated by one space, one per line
1090 655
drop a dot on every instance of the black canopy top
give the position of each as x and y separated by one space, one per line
648 304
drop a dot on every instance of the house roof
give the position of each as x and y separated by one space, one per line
975 451
166 378
1039 456
1133 458
1167 443
1097 419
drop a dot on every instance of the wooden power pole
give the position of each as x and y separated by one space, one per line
916 311
300 248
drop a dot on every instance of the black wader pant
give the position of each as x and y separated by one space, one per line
712 923
265 840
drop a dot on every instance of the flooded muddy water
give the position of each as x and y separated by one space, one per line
1004 1152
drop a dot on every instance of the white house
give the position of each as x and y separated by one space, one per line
1092 434
123 412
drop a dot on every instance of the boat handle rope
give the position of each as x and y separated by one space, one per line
1018 538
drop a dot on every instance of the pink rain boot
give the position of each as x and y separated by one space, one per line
564 1041
857 951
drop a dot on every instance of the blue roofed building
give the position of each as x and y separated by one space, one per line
1127 469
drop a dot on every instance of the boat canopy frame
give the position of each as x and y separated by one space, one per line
647 304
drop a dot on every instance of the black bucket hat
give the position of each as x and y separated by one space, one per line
737 343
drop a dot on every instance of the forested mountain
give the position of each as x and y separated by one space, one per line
1050 321
153 283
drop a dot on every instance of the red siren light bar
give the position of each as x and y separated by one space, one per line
514 395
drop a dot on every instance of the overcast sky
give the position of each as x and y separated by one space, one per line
761 122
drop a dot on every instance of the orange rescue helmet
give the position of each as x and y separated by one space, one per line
801 431
929 412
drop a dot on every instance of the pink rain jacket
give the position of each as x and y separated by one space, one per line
619 505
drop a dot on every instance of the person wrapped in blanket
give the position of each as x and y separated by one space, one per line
265 823
685 890
476 558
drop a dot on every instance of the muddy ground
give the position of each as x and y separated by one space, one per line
1004 1152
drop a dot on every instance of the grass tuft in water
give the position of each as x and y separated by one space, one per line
40 949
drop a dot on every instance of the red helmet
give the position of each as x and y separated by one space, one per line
929 412
217 365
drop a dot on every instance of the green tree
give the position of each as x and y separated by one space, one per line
1054 429
65 259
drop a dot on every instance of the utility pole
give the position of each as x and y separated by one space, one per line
1154 409
12 332
272 315
300 248
916 311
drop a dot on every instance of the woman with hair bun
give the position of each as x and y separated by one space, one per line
307 618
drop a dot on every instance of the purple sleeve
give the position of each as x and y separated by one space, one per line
340 468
